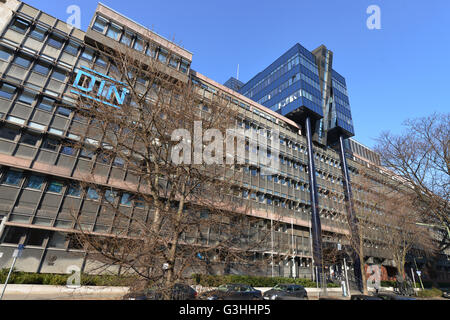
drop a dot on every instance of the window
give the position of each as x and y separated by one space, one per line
100 24
88 54
36 237
114 32
55 186
14 234
74 190
41 67
15 120
29 139
86 154
139 44
46 104
126 199
101 62
151 50
58 240
118 162
68 150
63 111
5 53
59 74
126 38
20 25
23 61
92 194
173 62
55 41
8 133
72 48
162 55
38 33
13 178
184 66
139 202
7 91
110 195
27 97
35 182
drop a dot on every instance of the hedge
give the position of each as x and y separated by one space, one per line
254 281
19 277
429 293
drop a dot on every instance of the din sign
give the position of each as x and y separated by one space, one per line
108 88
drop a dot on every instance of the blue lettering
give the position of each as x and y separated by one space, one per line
101 92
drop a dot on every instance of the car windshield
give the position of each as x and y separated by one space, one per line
227 287
280 287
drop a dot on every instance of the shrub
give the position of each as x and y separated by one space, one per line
254 281
430 293
19 277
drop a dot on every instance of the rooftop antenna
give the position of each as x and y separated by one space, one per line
237 73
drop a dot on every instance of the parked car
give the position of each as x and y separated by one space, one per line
178 292
233 291
393 296
364 297
286 292
446 293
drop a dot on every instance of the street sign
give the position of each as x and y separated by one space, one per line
18 252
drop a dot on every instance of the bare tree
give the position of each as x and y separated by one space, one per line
420 156
401 233
165 218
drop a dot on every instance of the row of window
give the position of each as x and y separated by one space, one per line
37 182
130 39
40 32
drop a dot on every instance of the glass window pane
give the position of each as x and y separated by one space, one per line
20 25
126 199
59 75
72 48
36 237
35 182
27 97
41 67
162 56
114 32
7 91
55 41
50 144
68 150
92 194
13 177
74 190
58 240
126 38
55 186
5 53
38 33
23 61
8 133
29 139
46 104
63 111
88 54
99 24
173 62
139 44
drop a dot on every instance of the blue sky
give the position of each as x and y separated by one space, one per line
395 73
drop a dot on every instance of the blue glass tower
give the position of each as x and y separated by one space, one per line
302 86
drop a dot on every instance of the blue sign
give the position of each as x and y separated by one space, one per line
106 91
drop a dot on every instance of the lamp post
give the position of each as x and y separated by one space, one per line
16 254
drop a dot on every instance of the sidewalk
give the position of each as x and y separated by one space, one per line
47 292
